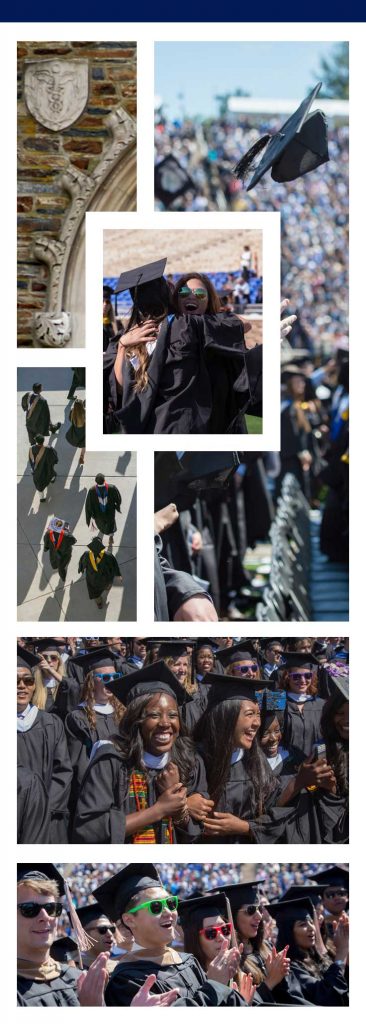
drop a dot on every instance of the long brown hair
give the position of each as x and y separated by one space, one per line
151 302
213 305
312 689
40 694
77 415
88 696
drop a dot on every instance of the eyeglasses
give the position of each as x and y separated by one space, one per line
215 930
26 680
335 892
250 666
107 677
102 929
296 676
31 909
253 908
51 657
200 293
156 907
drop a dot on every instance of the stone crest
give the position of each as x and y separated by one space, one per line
56 91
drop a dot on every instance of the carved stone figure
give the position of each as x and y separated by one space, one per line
56 91
51 330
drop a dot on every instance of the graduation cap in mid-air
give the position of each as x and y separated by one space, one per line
171 180
156 678
299 146
114 895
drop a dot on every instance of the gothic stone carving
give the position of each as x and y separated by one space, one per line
56 91
51 330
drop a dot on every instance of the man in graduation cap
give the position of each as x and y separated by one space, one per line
298 147
103 500
137 896
42 460
38 417
58 541
334 883
101 569
102 932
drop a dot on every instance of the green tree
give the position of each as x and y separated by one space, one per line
223 100
334 73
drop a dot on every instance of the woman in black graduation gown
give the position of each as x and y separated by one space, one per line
302 723
137 897
322 982
100 569
75 435
58 541
148 773
42 748
48 675
42 462
102 502
33 808
335 730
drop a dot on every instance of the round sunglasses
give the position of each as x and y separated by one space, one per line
253 908
215 930
200 293
31 909
156 907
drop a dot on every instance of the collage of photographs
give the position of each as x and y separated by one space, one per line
223 264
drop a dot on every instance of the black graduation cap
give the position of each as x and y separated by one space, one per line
115 894
140 275
297 892
295 659
332 876
229 655
107 291
40 873
232 688
91 912
96 546
171 180
299 146
192 910
172 648
295 910
64 949
25 658
206 641
290 371
151 679
339 681
96 656
242 894
49 644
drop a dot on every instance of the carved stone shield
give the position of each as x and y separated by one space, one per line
56 91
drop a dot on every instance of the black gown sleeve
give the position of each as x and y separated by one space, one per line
61 769
172 587
33 809
331 990
99 814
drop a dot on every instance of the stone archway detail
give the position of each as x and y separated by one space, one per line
111 186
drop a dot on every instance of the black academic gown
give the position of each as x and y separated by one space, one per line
44 472
330 990
43 749
98 581
33 808
188 977
198 381
302 728
58 992
75 435
38 419
105 521
171 586
104 800
81 737
61 556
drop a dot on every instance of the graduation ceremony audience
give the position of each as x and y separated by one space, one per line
142 740
182 934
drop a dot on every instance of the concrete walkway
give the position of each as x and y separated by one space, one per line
41 594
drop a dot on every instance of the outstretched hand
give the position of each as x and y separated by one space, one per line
144 997
91 984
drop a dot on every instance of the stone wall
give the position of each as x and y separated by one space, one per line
45 156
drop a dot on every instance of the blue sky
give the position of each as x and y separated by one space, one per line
199 71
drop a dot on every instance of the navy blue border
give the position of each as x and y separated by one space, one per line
187 10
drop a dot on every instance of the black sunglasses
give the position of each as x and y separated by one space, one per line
253 908
102 929
330 893
31 909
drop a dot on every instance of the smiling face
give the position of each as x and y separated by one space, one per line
101 695
247 725
300 678
180 668
244 667
25 688
211 947
188 301
35 934
160 726
304 934
273 654
102 943
248 924
341 721
271 738
152 930
204 660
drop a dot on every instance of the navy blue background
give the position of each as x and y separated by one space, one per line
187 10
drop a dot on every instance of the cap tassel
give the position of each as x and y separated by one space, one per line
83 941
245 164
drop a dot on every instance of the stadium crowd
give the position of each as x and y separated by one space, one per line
149 741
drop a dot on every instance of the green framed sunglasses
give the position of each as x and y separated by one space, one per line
155 907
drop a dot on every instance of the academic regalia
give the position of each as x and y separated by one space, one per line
38 418
105 800
75 435
43 471
104 517
198 380
60 991
81 737
42 748
302 728
33 809
329 990
188 976
98 580
59 547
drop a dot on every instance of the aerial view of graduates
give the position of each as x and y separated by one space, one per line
182 741
215 513
43 457
185 359
150 935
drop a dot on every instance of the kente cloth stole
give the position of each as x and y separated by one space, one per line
57 544
138 792
95 561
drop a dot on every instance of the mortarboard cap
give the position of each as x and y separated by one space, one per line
331 876
140 275
172 648
297 892
96 546
25 658
171 180
231 688
115 894
244 650
242 894
96 656
91 912
156 678
41 873
338 678
56 524
64 949
295 910
192 910
299 146
295 659
290 371
50 643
